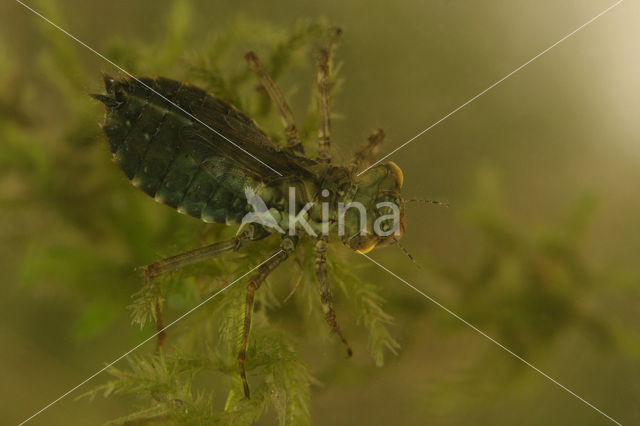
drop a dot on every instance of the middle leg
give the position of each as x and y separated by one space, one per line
174 263
286 248
170 264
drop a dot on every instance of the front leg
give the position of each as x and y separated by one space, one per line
366 154
325 291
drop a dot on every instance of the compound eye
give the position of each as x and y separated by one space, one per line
363 243
368 248
396 172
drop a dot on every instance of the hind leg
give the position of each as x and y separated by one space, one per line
191 257
270 86
324 101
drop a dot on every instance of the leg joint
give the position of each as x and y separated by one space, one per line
289 243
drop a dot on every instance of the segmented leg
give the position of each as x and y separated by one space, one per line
324 101
287 246
293 140
298 280
365 155
191 257
325 292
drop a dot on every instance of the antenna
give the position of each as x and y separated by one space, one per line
421 200
405 251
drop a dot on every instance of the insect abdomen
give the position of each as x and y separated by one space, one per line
144 134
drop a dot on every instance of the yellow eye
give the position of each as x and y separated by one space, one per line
396 172
368 248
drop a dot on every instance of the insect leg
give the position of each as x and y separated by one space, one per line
173 263
298 280
325 292
324 102
287 246
190 257
365 155
293 140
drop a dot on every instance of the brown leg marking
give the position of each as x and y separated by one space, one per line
162 334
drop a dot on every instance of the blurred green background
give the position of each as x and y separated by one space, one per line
539 248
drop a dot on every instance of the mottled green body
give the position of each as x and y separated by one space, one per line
174 158
171 153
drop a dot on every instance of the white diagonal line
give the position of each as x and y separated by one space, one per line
145 341
500 345
494 85
150 88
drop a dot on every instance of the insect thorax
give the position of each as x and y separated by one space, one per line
338 203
